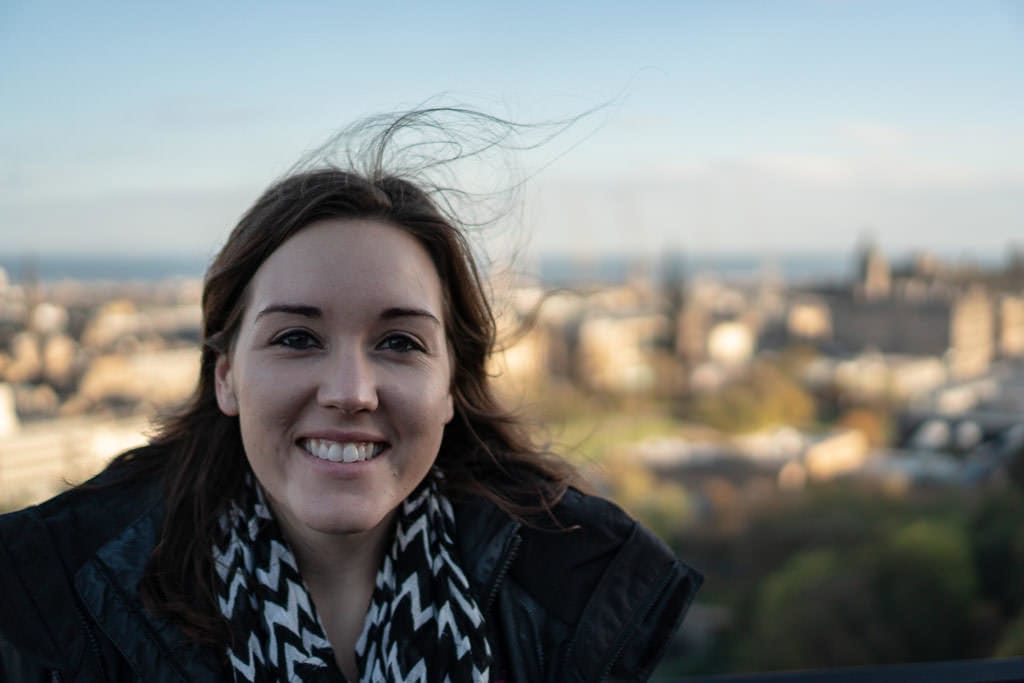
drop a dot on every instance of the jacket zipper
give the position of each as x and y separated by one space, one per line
80 611
55 676
499 577
93 643
622 645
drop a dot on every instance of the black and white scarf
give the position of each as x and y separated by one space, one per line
422 624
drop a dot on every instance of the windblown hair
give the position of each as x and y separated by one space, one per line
198 453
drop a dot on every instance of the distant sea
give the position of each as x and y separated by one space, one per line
564 270
552 269
52 268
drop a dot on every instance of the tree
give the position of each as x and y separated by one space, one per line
875 425
908 600
811 614
924 583
764 397
997 544
1011 644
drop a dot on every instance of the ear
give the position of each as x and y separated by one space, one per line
450 407
224 384
450 400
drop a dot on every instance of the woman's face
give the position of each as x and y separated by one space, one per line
340 375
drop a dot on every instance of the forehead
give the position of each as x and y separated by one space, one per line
346 264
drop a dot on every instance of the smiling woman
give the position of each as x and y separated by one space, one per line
342 400
343 498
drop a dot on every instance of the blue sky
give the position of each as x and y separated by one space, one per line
135 127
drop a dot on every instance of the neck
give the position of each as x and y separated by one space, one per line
340 572
338 558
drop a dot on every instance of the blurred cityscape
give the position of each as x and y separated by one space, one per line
842 456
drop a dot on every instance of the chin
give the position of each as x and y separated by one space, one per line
330 521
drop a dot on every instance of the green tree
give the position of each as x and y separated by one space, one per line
997 544
1011 644
907 600
764 397
924 582
810 614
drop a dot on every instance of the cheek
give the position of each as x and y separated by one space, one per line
270 385
424 412
268 400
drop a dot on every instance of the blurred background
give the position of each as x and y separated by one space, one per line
769 298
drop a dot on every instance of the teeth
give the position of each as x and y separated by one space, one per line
342 452
334 452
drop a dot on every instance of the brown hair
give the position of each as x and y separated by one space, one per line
198 454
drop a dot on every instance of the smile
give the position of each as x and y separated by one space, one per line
352 451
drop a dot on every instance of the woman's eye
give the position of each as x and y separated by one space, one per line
296 339
400 343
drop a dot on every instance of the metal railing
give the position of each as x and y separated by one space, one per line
961 671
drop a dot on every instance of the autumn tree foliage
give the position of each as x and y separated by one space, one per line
763 397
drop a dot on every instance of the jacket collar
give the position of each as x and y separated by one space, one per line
156 649
486 540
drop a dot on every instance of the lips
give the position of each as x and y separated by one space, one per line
342 451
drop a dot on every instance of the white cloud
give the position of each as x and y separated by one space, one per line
874 134
816 170
787 202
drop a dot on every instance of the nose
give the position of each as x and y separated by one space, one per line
348 383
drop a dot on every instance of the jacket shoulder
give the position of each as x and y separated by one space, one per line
80 520
41 549
620 589
562 558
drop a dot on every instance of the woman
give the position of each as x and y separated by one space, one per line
343 498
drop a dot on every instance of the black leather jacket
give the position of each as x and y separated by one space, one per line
596 602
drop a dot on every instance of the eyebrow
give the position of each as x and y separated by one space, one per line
399 312
292 309
316 313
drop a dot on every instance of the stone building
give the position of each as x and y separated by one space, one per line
1011 326
960 328
919 311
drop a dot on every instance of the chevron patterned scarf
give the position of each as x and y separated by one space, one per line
422 624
